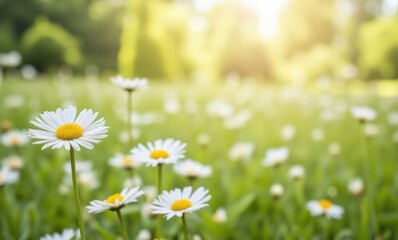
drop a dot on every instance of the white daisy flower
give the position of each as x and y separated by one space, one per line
325 207
14 138
355 186
296 172
115 201
220 216
334 149
62 129
192 169
180 201
130 84
67 234
241 151
276 190
144 234
13 162
123 161
7 176
363 113
167 151
288 132
132 182
275 156
81 166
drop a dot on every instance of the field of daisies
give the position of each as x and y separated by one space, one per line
139 159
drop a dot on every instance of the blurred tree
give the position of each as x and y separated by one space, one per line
234 42
378 48
305 23
49 46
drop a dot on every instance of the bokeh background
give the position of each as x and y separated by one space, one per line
286 40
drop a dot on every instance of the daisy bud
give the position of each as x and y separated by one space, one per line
276 191
296 172
220 216
356 187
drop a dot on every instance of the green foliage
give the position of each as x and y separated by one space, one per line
7 38
378 46
47 45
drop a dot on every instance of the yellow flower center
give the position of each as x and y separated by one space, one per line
112 199
156 154
181 204
15 140
127 161
325 204
69 131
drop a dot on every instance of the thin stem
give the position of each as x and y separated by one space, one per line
6 209
76 194
119 215
325 229
159 226
129 122
184 226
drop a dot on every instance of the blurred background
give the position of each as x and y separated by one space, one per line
209 40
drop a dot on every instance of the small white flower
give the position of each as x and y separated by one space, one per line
62 129
363 113
296 172
14 101
115 201
85 175
219 108
67 234
355 186
276 190
192 169
241 151
10 60
81 166
150 193
13 162
196 237
171 106
203 139
317 134
123 161
180 201
288 132
167 151
14 138
334 149
238 120
275 156
325 207
130 84
7 176
220 216
144 234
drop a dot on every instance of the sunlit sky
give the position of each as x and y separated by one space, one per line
268 12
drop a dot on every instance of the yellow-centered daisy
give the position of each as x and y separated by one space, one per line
325 207
179 201
116 201
62 129
167 151
130 84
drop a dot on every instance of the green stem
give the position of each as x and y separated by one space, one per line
76 194
184 225
159 226
6 209
119 215
325 229
129 122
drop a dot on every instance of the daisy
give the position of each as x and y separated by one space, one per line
296 172
13 162
241 151
130 84
192 170
356 187
62 129
325 207
167 151
116 201
67 234
177 202
275 156
276 190
14 138
123 161
363 113
220 216
7 176
144 234
288 132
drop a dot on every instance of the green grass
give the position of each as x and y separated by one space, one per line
37 207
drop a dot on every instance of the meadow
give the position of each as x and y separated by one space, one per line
314 122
